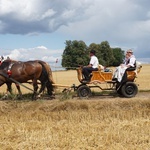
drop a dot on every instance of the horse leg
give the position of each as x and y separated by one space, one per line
9 88
8 91
35 87
19 91
43 85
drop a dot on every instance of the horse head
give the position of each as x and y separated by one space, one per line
4 64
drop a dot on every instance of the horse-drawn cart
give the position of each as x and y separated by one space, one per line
98 78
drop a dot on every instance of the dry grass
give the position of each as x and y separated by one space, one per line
96 124
73 125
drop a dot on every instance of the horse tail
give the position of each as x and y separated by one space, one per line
49 71
45 77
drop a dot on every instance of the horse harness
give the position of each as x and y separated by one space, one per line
9 73
9 69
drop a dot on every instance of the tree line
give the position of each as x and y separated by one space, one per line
76 53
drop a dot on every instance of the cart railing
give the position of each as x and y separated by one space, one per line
102 76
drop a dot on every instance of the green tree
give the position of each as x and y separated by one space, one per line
75 54
106 53
96 47
118 54
93 46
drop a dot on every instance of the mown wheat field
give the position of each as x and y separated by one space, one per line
100 123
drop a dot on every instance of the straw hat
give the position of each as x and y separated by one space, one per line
129 51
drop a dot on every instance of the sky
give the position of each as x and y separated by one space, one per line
38 29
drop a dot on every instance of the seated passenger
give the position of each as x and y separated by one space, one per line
128 65
92 66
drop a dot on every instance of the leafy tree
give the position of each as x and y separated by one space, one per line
73 54
106 53
118 54
77 53
93 46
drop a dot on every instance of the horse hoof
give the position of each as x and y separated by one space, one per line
5 97
39 96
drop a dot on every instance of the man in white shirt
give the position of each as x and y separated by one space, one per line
93 66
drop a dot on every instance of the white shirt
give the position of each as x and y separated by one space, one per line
132 61
94 61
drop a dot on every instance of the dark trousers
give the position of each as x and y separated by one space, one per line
86 72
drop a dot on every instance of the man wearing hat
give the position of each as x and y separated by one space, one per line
93 66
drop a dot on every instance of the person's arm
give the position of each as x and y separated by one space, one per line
90 63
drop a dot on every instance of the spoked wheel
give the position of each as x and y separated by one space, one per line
129 89
84 91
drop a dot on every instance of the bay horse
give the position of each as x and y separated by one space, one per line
21 72
9 88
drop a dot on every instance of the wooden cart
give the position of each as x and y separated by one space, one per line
127 89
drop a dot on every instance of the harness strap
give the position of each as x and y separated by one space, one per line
10 66
15 81
9 69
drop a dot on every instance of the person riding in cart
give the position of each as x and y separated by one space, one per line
92 66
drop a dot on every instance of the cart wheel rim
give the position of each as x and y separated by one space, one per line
84 91
130 90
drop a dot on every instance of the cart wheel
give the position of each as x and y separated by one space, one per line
84 91
129 89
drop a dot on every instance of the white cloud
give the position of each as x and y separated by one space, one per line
41 47
39 16
40 53
125 23
48 13
15 54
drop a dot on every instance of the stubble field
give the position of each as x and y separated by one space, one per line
98 123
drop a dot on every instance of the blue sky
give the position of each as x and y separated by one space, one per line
38 29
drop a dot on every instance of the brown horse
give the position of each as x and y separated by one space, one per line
21 72
9 88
